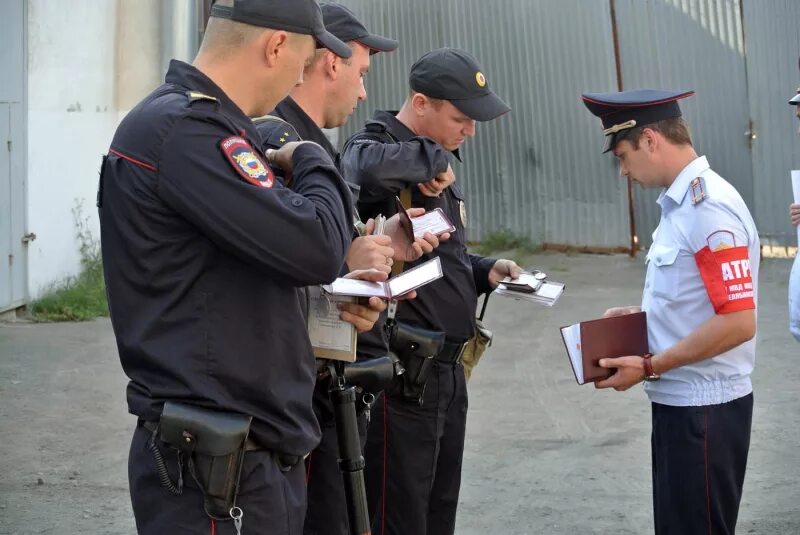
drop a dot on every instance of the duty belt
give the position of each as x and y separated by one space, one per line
284 459
451 352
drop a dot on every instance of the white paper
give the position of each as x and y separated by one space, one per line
796 192
416 277
572 339
550 290
325 329
358 288
434 222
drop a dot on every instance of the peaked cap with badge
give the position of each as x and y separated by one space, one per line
630 109
455 75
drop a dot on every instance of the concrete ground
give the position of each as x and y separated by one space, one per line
543 455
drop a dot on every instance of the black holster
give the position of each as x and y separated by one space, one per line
416 347
214 443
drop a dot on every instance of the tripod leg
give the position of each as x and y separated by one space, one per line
351 462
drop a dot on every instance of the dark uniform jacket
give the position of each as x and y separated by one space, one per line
300 126
203 254
386 157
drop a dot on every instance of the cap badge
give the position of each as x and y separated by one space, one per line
617 127
480 78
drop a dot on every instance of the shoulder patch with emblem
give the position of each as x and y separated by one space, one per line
247 162
721 240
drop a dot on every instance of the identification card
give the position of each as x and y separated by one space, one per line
435 222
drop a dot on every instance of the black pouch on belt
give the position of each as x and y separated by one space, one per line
416 347
214 443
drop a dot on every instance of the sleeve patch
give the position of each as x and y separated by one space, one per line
721 240
727 278
246 162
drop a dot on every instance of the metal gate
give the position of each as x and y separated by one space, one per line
699 45
538 171
13 268
772 38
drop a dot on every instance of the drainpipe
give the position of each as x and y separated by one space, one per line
181 26
612 5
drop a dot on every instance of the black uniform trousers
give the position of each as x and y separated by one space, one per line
272 500
327 503
413 456
699 461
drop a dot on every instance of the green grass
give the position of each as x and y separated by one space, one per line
81 297
505 240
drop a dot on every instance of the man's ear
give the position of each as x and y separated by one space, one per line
419 103
274 46
650 138
333 64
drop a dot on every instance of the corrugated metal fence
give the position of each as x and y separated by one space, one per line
538 172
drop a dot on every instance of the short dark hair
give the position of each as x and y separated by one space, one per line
675 130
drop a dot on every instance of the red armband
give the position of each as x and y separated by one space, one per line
727 277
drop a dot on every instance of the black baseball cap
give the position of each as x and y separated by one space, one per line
624 110
344 25
454 75
296 16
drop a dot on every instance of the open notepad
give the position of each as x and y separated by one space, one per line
589 341
393 288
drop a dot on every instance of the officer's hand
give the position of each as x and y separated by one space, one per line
621 311
363 317
282 157
502 269
630 371
794 212
408 251
435 186
371 252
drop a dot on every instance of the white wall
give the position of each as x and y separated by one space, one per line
89 63
71 119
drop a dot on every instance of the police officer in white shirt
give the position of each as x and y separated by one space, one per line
794 277
700 298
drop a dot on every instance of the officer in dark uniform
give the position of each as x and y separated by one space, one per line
414 451
331 84
332 87
203 253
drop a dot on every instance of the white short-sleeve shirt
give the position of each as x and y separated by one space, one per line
704 261
794 299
